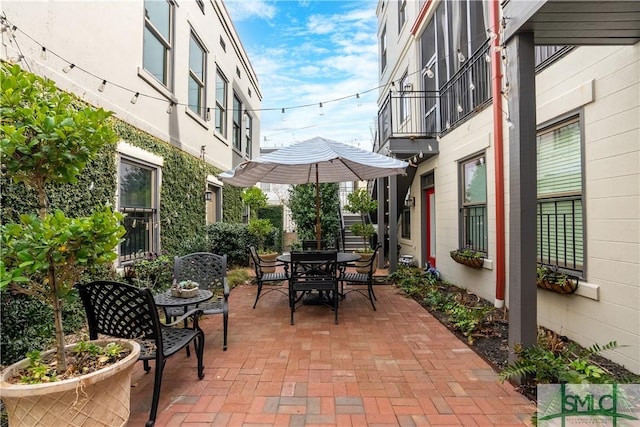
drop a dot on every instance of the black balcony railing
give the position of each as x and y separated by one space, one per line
474 227
560 233
138 239
406 113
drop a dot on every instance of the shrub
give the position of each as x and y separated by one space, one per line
232 240
155 274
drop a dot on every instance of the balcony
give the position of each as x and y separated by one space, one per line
409 122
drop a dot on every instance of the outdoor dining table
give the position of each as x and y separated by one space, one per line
165 299
343 259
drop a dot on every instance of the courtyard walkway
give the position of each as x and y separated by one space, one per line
397 366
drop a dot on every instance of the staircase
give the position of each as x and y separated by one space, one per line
351 242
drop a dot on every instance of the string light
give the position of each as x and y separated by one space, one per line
170 108
472 86
208 115
428 71
282 117
359 100
510 123
102 86
421 155
459 108
487 57
321 110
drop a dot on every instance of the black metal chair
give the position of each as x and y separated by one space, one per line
273 280
125 311
313 270
355 279
210 272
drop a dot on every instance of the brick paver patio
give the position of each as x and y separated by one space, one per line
397 366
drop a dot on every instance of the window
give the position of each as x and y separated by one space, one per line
197 64
156 59
138 200
560 216
238 72
402 14
223 45
237 120
221 104
406 223
200 5
405 106
383 49
248 131
474 204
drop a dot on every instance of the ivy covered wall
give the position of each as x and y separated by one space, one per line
182 206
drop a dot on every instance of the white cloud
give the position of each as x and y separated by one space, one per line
245 9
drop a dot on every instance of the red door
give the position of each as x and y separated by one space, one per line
430 195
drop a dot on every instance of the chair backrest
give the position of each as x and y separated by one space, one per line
314 265
120 310
257 262
312 245
371 262
204 268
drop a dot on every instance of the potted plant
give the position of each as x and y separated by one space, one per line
549 278
260 228
185 289
468 257
47 138
359 201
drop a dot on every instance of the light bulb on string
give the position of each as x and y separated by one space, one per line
459 108
321 110
68 68
491 35
461 56
472 86
510 123
43 53
429 147
359 100
102 86
134 98
170 108
448 125
429 72
208 116
421 155
282 116
487 57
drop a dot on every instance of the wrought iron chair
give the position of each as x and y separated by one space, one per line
125 311
354 279
210 272
313 270
273 280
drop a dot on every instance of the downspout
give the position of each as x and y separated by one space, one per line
498 140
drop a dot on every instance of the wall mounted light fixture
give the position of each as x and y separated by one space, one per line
410 201
208 195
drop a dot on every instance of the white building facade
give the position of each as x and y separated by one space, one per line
174 69
438 109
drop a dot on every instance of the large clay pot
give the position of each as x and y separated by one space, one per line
101 398
362 264
269 259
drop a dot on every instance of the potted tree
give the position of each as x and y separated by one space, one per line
47 138
360 202
255 199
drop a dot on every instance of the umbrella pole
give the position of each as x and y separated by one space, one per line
318 227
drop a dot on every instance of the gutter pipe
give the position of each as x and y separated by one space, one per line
498 140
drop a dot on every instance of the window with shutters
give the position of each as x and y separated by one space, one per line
560 215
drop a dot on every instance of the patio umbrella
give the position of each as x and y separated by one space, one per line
315 160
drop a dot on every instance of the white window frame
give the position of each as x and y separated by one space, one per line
473 213
147 217
221 103
201 107
383 49
166 42
248 132
236 135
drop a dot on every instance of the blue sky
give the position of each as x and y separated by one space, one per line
308 52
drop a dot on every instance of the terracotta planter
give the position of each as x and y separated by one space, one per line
101 398
469 261
269 259
362 264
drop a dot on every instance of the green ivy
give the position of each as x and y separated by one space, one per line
274 214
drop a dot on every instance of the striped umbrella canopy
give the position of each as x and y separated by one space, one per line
315 160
